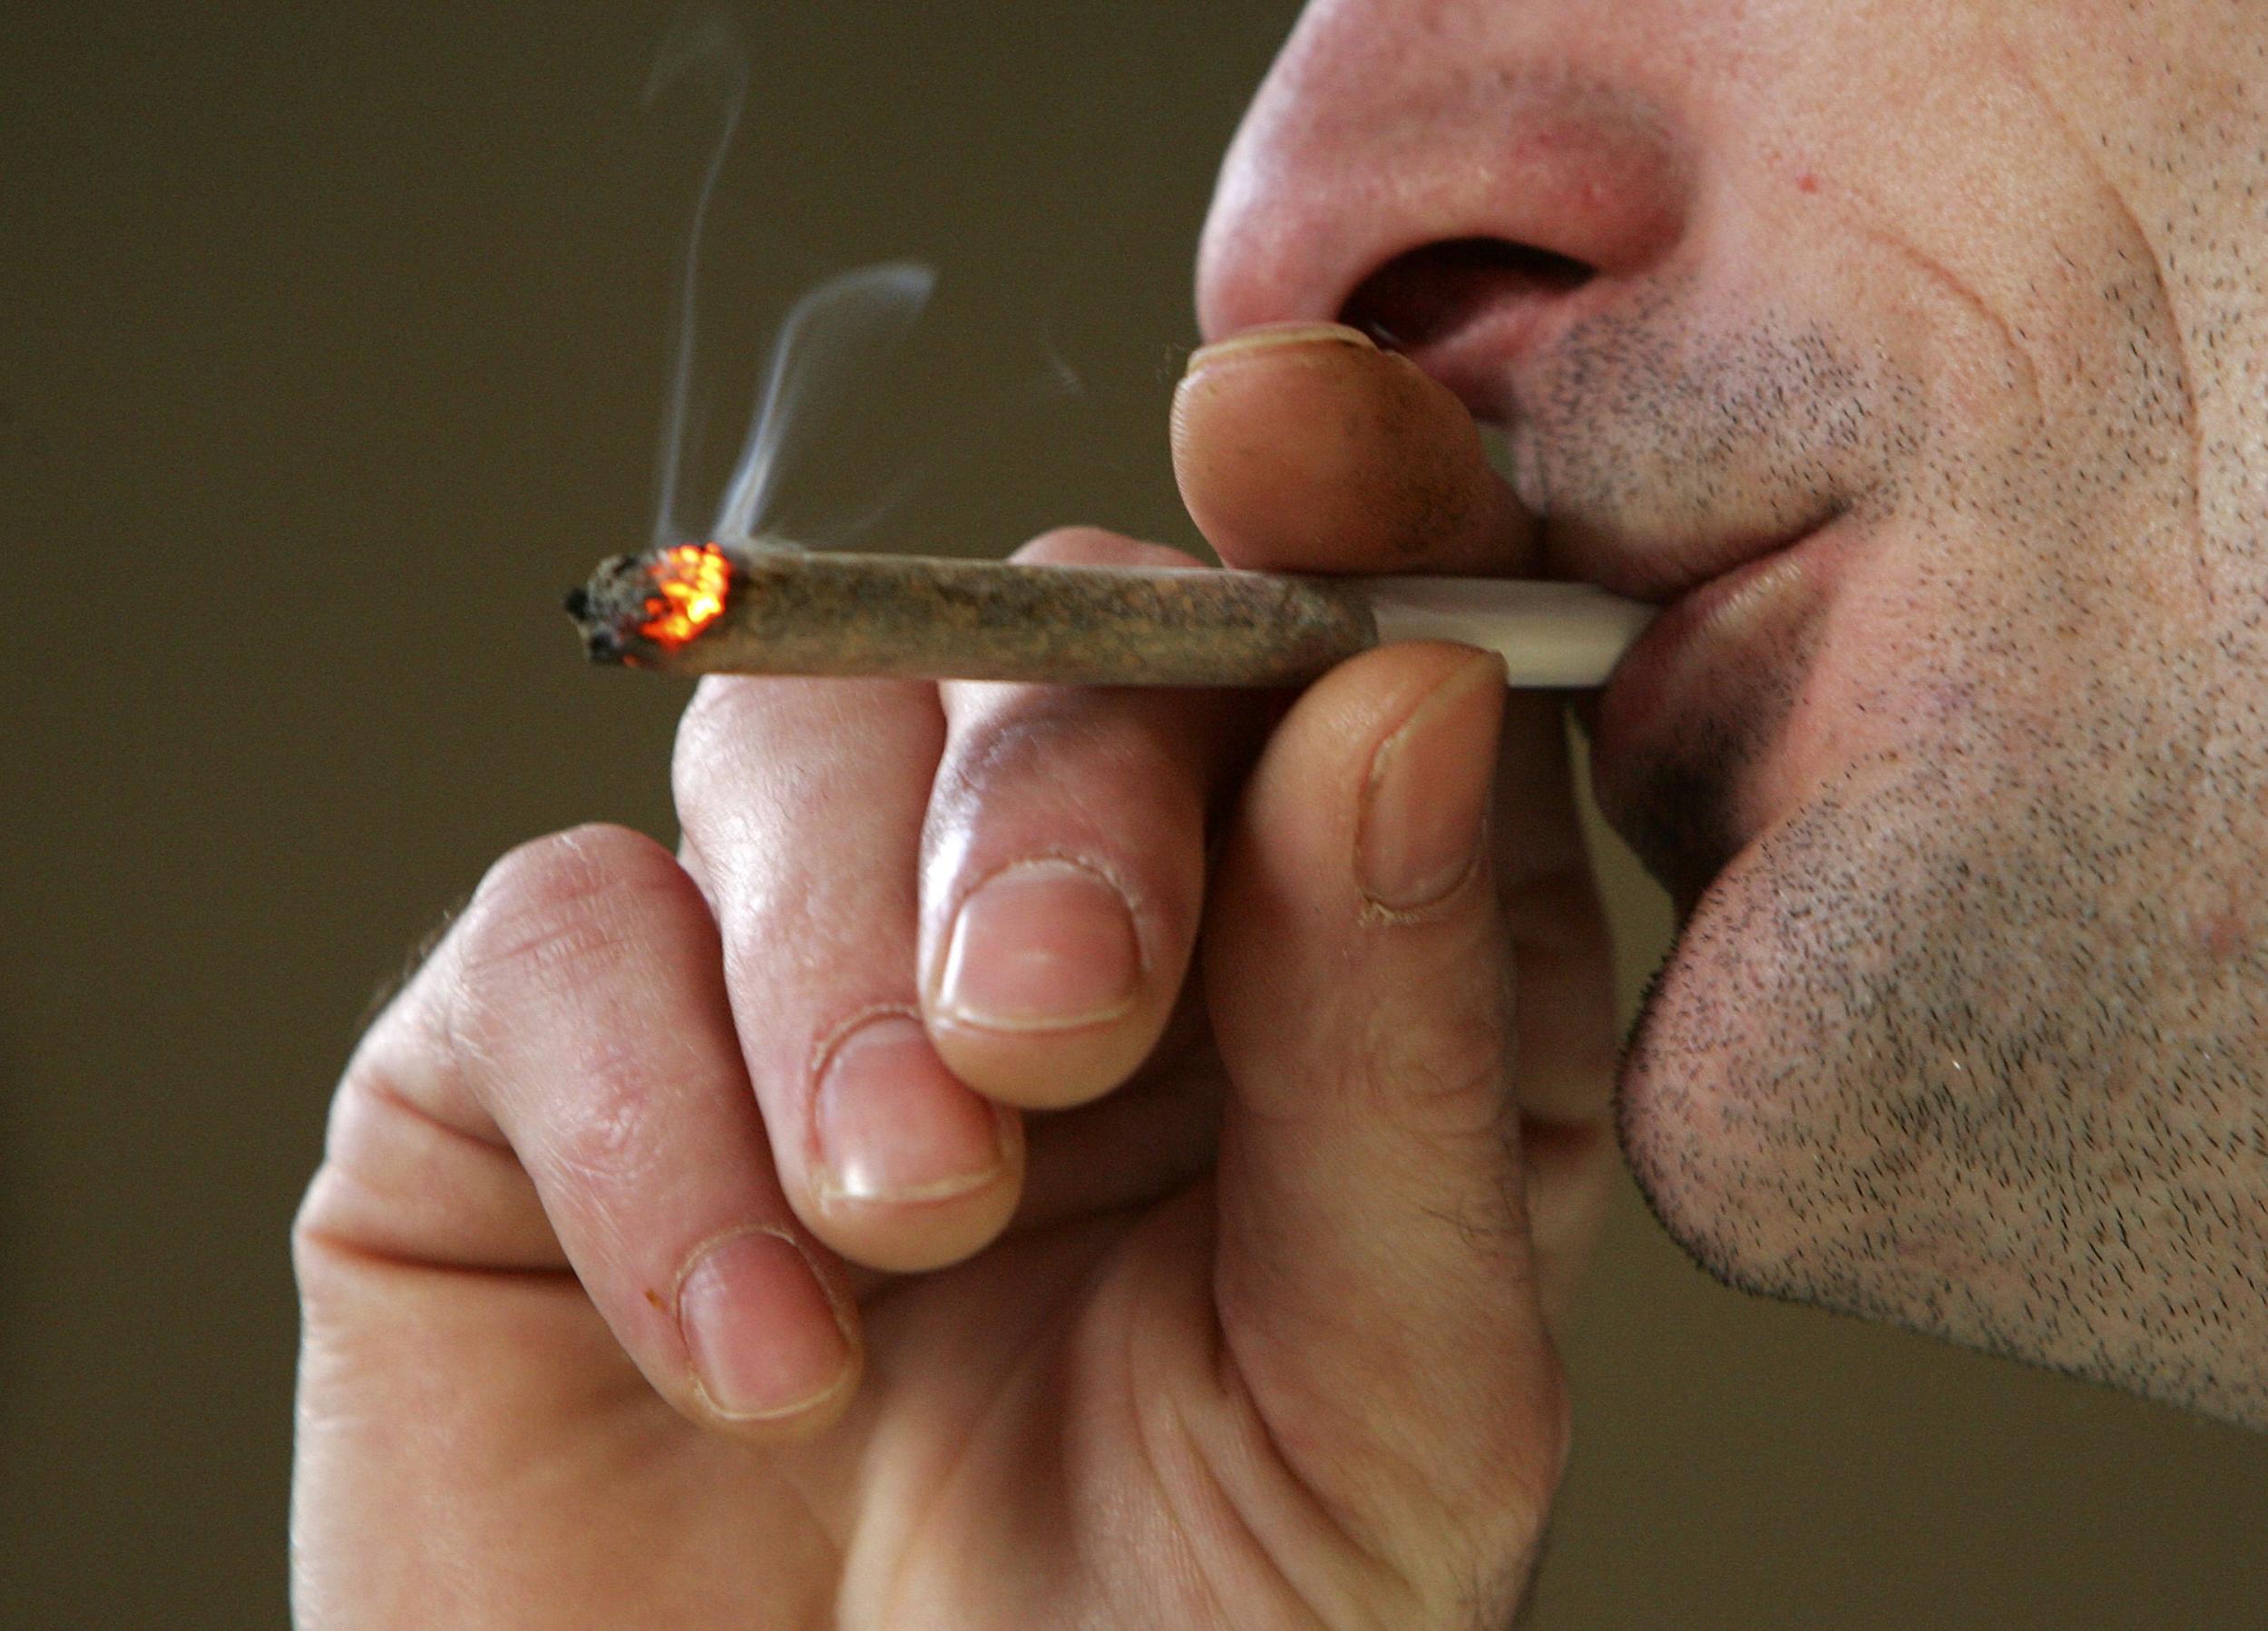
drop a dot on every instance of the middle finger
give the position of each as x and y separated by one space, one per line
1065 863
803 802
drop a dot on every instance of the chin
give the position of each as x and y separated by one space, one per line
1708 1114
1884 1071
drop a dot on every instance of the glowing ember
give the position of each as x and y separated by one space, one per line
691 579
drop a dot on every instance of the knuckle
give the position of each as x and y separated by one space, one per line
554 920
564 919
311 1225
727 784
728 758
405 1058
321 1268
554 916
1077 749
715 720
1071 544
1025 735
601 1134
1046 783
754 752
567 884
342 1225
1097 546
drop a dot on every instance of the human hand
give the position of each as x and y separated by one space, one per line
690 1246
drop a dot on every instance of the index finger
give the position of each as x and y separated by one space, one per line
803 800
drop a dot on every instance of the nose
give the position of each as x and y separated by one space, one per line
1411 166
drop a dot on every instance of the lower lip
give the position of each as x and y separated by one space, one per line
1711 641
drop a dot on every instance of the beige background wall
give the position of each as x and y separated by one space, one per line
330 349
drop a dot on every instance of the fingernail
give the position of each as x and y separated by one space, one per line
1425 805
894 1125
1042 945
763 1337
1275 337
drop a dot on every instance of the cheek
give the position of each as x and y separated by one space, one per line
2006 635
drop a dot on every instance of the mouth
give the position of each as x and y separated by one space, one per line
1686 732
1689 753
1708 618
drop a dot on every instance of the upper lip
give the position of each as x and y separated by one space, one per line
1664 571
1474 364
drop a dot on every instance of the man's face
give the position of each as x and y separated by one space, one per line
1914 353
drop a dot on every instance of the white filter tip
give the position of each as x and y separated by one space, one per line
1550 635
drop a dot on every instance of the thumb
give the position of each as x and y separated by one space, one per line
1375 1274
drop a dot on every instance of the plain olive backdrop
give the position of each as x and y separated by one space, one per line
332 342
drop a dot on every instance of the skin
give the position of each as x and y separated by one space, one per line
1960 804
1244 1315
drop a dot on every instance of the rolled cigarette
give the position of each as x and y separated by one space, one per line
701 608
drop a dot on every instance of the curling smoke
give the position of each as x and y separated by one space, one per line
837 339
702 44
834 339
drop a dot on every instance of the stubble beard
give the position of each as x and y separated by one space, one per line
1945 1049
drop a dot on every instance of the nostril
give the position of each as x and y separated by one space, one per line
1429 295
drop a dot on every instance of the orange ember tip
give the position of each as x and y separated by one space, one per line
690 580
